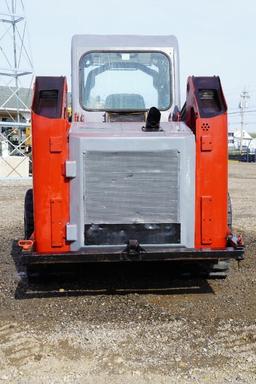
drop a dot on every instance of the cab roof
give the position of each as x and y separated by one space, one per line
124 41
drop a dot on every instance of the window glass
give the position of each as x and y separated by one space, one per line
125 81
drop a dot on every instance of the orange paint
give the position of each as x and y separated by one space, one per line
212 182
211 137
50 186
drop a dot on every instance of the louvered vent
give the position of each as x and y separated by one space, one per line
131 187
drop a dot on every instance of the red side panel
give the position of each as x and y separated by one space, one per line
211 182
50 187
209 123
206 219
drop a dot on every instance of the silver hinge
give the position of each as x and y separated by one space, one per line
71 232
70 168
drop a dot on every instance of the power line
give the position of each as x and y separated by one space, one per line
238 122
238 112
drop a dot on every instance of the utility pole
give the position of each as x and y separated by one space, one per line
244 96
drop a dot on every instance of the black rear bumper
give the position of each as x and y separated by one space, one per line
113 254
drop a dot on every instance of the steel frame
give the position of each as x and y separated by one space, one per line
16 71
117 254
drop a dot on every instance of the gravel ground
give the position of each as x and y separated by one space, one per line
132 324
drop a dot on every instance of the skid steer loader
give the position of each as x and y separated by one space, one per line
133 176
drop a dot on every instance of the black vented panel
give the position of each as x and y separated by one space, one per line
115 234
48 96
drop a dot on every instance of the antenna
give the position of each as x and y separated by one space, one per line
16 76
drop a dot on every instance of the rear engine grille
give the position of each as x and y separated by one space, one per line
131 187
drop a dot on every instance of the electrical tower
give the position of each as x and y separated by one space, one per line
16 76
242 105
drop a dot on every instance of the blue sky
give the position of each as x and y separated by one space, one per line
215 37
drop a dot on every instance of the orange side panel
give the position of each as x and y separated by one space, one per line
51 188
206 220
211 182
211 138
57 222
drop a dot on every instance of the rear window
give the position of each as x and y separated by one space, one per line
125 81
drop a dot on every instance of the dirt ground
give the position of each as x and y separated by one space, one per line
130 324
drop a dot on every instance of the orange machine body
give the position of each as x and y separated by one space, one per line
50 151
208 120
205 113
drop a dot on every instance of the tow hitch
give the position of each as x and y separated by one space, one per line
133 250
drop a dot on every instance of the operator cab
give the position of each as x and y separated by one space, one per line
110 83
